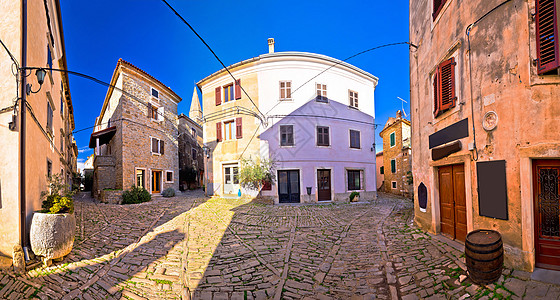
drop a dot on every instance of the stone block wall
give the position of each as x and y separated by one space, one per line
104 174
111 196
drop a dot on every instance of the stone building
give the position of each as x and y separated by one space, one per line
484 97
135 135
380 170
191 155
36 142
320 158
397 160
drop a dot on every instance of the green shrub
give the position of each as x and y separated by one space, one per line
353 195
58 200
168 192
136 195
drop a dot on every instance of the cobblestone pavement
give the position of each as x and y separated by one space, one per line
192 246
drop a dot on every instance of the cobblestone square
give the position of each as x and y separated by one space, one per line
192 246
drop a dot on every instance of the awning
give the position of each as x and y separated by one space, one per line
104 136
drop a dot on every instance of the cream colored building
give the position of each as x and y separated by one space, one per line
44 144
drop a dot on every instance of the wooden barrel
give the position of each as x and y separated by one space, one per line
484 253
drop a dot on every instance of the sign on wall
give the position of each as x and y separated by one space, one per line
492 189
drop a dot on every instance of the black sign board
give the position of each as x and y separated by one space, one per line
450 133
492 189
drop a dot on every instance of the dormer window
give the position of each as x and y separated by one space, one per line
321 92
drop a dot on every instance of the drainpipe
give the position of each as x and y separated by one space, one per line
23 109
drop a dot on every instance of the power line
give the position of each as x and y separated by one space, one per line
216 56
249 143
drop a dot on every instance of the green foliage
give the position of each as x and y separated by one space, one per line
255 172
409 178
168 192
58 199
353 195
136 195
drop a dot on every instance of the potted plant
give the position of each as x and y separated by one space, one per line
53 228
354 197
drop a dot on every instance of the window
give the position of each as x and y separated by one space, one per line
140 178
546 19
49 168
235 171
285 90
168 176
354 180
228 93
49 118
155 112
157 146
228 130
438 5
49 57
353 98
286 135
393 184
155 93
392 138
235 175
62 106
444 87
193 131
354 139
321 92
61 142
381 170
323 136
193 153
393 166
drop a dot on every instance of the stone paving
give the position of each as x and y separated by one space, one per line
190 246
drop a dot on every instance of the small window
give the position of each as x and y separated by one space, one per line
321 92
140 178
49 118
393 166
353 98
49 57
393 184
381 170
155 93
354 139
229 127
228 93
61 142
438 5
286 135
193 131
49 168
157 146
354 180
323 136
169 176
285 90
392 138
62 106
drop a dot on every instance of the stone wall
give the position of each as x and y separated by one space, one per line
188 142
401 154
111 196
104 174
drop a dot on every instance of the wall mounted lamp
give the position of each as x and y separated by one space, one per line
40 73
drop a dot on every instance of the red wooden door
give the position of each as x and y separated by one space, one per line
324 185
546 189
453 209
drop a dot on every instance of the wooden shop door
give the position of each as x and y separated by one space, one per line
453 206
324 185
546 190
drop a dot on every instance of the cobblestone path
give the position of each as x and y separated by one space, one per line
191 246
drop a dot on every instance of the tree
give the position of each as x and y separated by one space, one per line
254 173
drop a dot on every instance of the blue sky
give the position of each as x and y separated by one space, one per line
147 34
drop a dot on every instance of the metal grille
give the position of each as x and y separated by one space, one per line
549 204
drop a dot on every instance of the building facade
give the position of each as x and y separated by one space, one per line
380 171
486 115
397 156
36 142
319 133
135 135
191 155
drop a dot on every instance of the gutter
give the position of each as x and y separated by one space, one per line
23 109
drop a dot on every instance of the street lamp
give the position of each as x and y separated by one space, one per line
40 73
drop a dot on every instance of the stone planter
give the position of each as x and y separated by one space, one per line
52 235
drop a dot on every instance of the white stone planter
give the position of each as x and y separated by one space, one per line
52 235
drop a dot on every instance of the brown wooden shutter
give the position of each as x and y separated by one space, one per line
154 145
219 131
548 52
437 104
438 5
149 110
161 147
218 95
238 89
447 84
238 128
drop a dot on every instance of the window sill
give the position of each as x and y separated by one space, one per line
286 100
351 148
323 146
288 146
156 154
353 107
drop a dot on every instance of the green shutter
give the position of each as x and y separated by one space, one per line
393 166
392 139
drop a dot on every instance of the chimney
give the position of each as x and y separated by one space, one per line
271 45
399 114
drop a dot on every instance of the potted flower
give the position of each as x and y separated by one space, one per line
354 197
53 228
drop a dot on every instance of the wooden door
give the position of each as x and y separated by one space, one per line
324 185
546 190
288 186
156 181
452 199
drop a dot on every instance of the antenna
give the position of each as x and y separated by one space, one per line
403 102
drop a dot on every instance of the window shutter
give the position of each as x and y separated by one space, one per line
548 51
447 84
438 5
161 147
238 128
161 113
238 89
326 136
154 145
149 110
436 94
218 96
219 131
